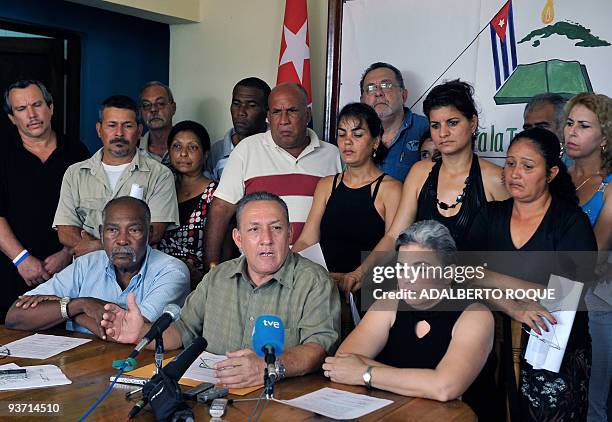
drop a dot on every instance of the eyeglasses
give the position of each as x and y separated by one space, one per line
371 89
147 106
555 341
206 363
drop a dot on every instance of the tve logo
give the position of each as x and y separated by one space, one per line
274 324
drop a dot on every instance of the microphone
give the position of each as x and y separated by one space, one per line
171 313
269 340
174 370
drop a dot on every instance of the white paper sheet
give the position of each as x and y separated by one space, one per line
36 377
315 254
43 346
354 311
337 404
200 369
546 351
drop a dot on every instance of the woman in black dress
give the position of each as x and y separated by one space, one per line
541 215
352 210
438 349
451 189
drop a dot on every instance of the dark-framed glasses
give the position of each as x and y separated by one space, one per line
147 106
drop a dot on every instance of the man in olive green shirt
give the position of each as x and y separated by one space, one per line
267 279
119 168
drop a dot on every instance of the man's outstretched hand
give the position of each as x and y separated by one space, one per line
123 326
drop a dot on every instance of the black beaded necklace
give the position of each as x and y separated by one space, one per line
444 206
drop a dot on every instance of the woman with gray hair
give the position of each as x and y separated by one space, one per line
412 344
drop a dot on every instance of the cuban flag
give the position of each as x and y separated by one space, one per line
503 43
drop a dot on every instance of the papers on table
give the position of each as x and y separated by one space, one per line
337 404
43 346
36 377
202 368
546 351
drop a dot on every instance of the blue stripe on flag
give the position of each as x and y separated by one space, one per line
512 40
495 59
504 54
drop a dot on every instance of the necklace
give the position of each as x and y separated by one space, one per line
586 180
444 206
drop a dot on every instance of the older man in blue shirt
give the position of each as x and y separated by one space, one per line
382 88
126 265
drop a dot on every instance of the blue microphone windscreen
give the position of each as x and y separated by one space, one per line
268 330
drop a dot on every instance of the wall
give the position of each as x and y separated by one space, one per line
119 53
234 40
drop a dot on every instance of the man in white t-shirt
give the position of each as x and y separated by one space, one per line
119 168
288 160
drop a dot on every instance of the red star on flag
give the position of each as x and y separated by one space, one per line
500 22
294 62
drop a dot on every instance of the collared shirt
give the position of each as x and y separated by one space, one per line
404 149
226 303
162 279
29 192
85 192
219 154
144 147
259 164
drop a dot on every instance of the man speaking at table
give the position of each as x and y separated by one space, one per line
267 279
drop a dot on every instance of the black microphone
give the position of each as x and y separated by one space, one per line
175 368
171 313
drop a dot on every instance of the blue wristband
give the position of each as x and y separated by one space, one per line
21 257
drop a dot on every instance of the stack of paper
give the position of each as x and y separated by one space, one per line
546 351
43 346
36 377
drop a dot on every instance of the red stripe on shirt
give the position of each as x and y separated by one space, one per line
283 184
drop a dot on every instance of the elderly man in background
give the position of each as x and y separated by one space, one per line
127 265
157 108
33 161
288 160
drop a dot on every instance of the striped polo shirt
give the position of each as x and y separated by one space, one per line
258 164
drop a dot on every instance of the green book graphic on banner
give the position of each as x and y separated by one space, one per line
566 78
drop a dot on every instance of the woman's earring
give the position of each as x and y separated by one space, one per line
374 154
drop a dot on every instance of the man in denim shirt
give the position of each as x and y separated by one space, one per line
382 88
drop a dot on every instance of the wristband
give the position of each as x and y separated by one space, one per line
21 257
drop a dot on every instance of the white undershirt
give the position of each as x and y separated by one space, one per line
113 173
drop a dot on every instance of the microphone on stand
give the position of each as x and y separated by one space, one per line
268 342
171 313
162 401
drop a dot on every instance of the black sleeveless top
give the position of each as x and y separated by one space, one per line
350 224
474 198
405 350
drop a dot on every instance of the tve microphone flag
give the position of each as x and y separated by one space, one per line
268 332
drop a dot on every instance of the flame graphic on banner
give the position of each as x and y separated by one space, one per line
548 13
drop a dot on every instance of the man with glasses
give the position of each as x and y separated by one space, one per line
382 88
157 108
119 168
127 265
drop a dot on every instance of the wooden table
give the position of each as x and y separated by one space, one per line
89 368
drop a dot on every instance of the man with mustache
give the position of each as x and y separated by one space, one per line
157 107
267 279
33 161
382 88
127 265
119 168
248 109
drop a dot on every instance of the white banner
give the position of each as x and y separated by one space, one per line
539 45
